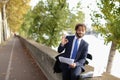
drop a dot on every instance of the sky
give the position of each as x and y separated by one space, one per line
85 9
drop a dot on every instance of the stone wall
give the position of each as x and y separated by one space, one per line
44 57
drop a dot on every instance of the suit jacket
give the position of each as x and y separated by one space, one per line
56 67
81 54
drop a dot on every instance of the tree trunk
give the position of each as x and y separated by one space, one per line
4 23
2 38
0 27
111 57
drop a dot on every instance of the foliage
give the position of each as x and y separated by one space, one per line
26 24
110 13
48 19
15 10
0 6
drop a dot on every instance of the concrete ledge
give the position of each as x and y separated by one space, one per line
105 76
45 58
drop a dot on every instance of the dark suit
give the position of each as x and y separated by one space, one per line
73 73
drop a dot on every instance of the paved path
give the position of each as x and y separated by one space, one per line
16 63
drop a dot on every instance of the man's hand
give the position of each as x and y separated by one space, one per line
73 65
64 40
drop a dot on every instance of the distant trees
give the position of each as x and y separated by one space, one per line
15 9
48 19
110 28
12 12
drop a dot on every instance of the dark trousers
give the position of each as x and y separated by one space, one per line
71 73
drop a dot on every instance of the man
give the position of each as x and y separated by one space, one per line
75 48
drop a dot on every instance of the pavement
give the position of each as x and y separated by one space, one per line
16 63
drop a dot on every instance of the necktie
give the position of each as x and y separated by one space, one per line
75 49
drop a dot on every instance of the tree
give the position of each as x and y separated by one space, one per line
28 20
110 30
1 39
4 28
12 15
15 11
48 19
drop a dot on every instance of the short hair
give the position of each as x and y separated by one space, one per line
80 25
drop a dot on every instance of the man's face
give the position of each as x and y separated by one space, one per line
80 32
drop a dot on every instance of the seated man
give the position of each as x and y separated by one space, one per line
75 48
